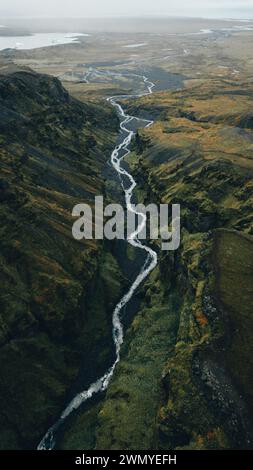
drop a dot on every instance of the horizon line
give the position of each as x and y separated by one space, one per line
144 16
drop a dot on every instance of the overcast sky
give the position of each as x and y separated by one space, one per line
100 8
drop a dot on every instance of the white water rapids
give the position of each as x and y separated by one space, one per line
48 442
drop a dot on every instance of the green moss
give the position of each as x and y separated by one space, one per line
81 432
233 254
127 418
33 383
53 150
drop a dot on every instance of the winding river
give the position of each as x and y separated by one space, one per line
119 153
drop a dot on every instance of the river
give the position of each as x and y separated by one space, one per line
119 153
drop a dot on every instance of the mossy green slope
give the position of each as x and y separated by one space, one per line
193 388
52 150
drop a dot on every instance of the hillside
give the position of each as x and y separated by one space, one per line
185 377
53 149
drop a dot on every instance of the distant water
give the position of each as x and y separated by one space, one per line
133 46
38 40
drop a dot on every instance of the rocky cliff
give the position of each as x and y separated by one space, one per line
185 377
53 149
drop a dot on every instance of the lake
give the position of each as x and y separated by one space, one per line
39 40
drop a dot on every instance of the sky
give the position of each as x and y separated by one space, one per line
109 8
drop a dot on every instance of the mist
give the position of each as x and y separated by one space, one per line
138 8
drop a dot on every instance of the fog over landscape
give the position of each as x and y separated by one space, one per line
100 8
